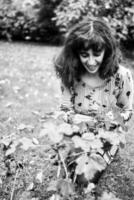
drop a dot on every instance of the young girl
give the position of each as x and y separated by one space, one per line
93 82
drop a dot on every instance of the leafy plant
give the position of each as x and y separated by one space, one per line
74 142
119 14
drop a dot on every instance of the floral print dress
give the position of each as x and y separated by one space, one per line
117 92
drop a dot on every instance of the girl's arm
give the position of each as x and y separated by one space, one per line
125 99
67 106
66 99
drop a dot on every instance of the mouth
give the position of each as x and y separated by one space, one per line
92 68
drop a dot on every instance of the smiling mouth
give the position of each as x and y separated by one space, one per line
92 67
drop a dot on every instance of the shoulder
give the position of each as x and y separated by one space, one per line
123 73
123 70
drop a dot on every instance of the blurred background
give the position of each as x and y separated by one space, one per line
48 20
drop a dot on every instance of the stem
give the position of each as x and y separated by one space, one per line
58 171
12 193
64 165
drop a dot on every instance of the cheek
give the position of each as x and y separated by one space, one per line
83 60
100 59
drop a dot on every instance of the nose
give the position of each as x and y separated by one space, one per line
91 60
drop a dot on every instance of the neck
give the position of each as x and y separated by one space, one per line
93 80
96 75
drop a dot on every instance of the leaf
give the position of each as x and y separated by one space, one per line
79 118
89 188
82 127
87 144
6 141
0 182
65 187
55 197
88 136
34 199
26 143
35 141
43 132
30 187
75 128
89 165
65 129
21 127
115 138
81 143
107 125
39 177
11 150
52 186
26 195
35 112
108 196
52 131
9 104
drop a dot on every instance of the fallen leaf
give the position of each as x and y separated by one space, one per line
108 196
43 132
65 129
26 195
11 150
89 188
1 182
65 188
26 143
21 127
39 177
52 186
30 187
35 141
9 104
55 197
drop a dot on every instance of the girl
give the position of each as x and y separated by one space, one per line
93 83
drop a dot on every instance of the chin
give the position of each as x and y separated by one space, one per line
93 71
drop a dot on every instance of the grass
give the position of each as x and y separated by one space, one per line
29 90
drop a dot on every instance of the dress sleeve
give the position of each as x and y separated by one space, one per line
125 98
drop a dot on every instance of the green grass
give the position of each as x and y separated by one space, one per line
28 90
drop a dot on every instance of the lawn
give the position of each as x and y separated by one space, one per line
28 90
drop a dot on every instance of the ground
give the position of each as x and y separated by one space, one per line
29 90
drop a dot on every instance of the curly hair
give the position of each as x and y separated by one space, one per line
89 33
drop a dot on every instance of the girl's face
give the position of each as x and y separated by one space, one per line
91 59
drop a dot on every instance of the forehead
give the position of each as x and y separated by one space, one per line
95 42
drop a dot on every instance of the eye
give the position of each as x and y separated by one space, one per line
97 50
84 54
97 53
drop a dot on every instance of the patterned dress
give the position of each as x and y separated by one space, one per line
86 100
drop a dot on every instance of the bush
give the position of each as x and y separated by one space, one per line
48 31
49 20
25 20
119 14
18 21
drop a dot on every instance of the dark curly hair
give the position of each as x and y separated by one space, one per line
89 33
